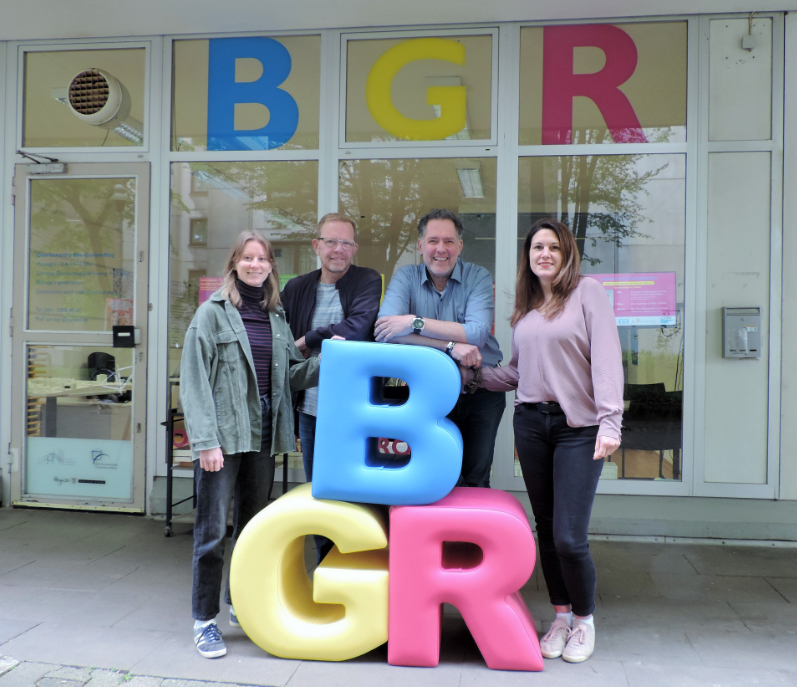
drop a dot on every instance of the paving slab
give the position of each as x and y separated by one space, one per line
557 673
106 678
71 673
652 642
7 664
81 575
13 627
58 682
143 681
714 588
37 605
746 650
26 674
14 559
348 673
640 613
786 587
638 584
244 663
85 645
195 683
744 561
613 558
647 675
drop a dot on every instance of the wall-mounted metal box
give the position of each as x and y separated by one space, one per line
741 332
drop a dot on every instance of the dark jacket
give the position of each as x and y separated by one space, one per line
360 291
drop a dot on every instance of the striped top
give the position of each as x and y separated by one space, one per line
258 331
328 311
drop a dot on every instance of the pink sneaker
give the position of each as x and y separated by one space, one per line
553 642
580 643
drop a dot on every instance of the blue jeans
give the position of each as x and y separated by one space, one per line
477 417
561 478
245 476
307 435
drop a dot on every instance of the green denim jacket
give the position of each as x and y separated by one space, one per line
218 386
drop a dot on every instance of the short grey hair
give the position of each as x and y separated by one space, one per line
335 217
440 213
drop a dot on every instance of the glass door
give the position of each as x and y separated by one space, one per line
80 332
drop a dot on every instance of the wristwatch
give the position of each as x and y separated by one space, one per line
417 324
450 347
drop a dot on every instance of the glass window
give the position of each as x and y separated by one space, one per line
388 197
81 268
78 422
603 83
628 216
265 93
419 89
218 201
84 98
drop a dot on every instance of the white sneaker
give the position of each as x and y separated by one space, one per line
580 643
553 642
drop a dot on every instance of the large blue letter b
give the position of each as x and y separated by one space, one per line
352 414
224 93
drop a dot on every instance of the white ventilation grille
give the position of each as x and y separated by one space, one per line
89 92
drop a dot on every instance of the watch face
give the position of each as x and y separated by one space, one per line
417 323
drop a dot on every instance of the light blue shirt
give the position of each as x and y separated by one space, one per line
467 299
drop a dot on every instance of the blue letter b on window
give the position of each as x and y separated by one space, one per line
224 93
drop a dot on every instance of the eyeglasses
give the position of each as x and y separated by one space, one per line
333 243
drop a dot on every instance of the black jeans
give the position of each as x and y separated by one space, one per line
247 477
477 417
307 424
561 478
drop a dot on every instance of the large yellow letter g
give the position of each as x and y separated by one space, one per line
343 612
450 98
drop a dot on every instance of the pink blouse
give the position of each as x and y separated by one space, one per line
574 359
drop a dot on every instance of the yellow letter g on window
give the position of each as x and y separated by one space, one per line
451 99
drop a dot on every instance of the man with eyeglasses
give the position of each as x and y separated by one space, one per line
448 304
340 299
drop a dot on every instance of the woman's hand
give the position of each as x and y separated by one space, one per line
211 459
605 446
467 375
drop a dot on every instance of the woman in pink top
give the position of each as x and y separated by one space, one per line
566 366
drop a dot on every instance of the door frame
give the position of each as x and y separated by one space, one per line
23 337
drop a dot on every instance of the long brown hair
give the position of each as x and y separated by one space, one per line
271 290
528 290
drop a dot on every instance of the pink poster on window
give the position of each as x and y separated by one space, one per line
641 299
207 286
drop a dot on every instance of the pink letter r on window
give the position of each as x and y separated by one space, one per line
560 85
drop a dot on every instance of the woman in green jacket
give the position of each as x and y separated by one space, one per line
238 367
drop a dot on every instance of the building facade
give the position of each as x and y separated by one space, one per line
133 157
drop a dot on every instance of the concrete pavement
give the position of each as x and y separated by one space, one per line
104 599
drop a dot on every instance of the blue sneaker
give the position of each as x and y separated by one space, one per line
234 618
209 642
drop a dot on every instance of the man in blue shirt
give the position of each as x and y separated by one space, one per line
448 304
